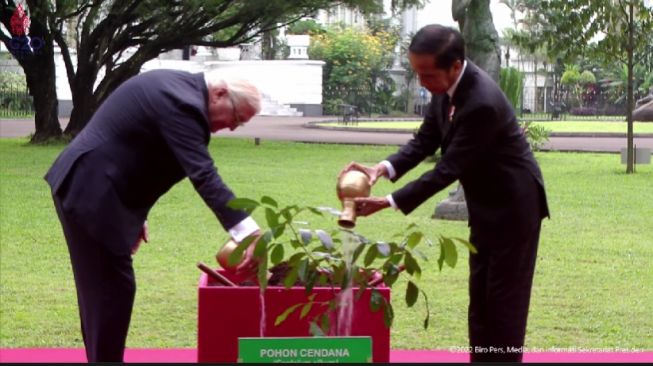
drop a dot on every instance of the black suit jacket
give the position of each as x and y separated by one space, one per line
150 133
483 147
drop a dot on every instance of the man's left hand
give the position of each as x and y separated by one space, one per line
143 236
366 206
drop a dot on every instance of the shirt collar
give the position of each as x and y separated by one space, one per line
452 89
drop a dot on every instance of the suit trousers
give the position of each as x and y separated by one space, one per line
500 282
105 290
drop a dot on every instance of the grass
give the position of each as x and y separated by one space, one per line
6 114
567 126
592 287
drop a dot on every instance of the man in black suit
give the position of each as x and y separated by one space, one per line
482 145
149 134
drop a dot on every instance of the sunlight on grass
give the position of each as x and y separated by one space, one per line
592 285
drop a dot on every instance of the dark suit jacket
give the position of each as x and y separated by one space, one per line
484 148
150 133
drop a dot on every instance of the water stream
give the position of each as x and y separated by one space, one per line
346 295
261 325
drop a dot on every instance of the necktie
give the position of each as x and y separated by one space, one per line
445 108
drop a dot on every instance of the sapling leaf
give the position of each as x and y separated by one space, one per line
271 217
428 311
245 204
277 254
291 277
357 252
325 238
383 248
325 324
315 330
442 254
269 201
376 300
410 226
283 316
285 212
310 282
305 235
411 264
411 294
450 252
237 254
294 259
413 239
469 245
260 251
315 211
278 230
307 307
302 270
388 313
370 256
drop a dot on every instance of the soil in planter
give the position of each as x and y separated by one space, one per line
277 275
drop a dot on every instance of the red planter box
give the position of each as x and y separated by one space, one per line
227 313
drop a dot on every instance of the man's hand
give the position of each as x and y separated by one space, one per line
143 236
375 172
366 206
249 266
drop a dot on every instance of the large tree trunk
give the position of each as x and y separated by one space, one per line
481 38
41 82
84 105
482 47
630 153
37 62
86 100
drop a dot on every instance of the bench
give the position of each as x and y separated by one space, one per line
349 114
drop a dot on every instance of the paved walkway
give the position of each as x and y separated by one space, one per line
294 129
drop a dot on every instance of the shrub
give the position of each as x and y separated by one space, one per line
511 82
536 135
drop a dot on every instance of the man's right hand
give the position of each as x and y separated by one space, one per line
375 172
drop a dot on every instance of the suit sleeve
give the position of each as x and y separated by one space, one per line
425 142
469 142
187 138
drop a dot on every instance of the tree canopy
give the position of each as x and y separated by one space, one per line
105 42
612 31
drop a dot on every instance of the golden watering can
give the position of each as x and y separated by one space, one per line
352 184
223 255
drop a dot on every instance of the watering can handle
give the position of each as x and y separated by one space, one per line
215 275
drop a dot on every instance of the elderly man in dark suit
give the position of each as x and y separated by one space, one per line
149 134
473 124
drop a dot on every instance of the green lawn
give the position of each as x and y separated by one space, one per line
4 114
592 285
566 126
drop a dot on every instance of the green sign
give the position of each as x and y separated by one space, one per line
305 349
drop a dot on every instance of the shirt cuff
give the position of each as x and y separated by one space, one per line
390 168
392 201
243 229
